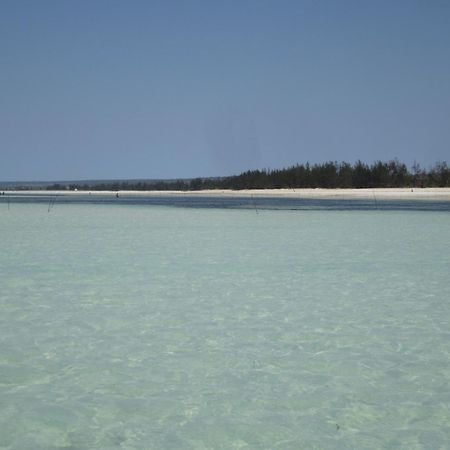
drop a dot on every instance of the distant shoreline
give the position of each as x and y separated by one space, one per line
442 194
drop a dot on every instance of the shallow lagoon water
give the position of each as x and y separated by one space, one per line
151 327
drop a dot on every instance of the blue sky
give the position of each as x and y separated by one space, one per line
167 89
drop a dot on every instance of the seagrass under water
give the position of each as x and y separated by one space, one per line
149 327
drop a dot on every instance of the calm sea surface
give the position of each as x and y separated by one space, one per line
138 326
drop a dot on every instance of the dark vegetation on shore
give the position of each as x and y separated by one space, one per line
330 175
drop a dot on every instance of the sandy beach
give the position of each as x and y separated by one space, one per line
442 194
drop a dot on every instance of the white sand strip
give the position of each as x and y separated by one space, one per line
344 194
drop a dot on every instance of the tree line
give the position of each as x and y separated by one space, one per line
329 175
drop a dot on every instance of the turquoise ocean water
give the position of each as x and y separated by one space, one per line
153 327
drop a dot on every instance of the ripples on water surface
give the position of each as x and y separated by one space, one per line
153 327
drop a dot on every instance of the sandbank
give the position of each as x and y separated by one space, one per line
442 194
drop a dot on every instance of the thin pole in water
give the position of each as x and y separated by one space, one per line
51 203
254 204
375 199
